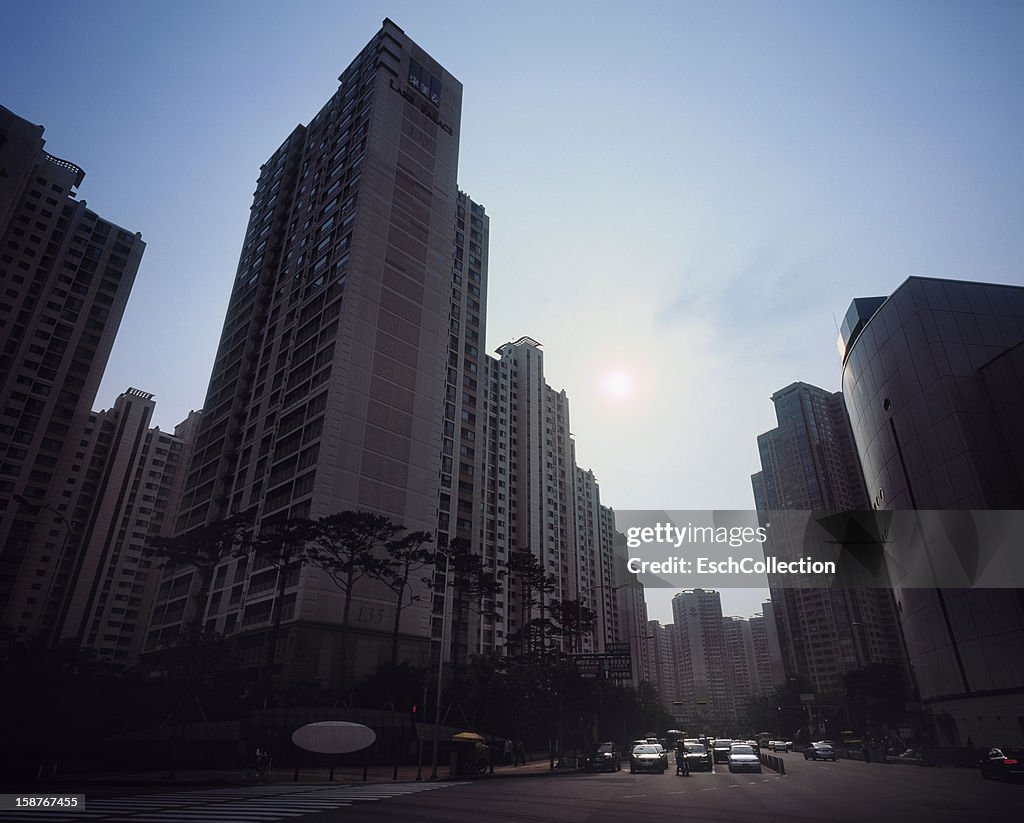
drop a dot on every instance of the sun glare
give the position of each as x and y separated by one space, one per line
617 384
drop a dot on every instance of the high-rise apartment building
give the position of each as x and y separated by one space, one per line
632 606
113 578
466 505
329 387
934 375
740 662
809 463
768 653
661 645
65 274
602 583
538 500
702 678
704 674
352 376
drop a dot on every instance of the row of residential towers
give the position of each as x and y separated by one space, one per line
351 375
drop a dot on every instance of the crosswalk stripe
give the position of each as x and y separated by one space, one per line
260 804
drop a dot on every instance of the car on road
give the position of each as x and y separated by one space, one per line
780 745
697 756
648 757
820 751
743 758
1002 764
602 757
721 748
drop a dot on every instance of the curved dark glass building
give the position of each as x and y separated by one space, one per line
933 377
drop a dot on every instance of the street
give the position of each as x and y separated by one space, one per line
810 792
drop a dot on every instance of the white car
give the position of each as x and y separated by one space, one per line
743 758
779 745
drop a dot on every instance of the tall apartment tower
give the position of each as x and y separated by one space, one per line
137 473
531 472
632 622
600 582
770 671
661 645
702 677
66 275
809 462
466 505
516 488
741 661
329 387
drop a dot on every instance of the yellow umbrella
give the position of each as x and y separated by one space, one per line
467 737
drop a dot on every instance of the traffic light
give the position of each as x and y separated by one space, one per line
412 714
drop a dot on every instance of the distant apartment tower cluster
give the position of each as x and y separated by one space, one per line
65 274
708 666
809 463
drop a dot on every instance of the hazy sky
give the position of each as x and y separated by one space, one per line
683 196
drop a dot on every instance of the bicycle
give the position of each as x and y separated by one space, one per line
258 771
478 766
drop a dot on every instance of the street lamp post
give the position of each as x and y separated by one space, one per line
440 664
21 500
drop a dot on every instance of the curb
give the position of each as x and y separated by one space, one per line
285 779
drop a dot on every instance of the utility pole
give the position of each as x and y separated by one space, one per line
440 664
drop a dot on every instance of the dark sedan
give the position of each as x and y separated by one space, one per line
602 756
1003 764
648 758
697 756
820 751
721 748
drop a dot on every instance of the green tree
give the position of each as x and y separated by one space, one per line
202 548
572 620
350 546
471 585
534 585
407 555
282 546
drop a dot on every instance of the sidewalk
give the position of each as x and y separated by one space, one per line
310 776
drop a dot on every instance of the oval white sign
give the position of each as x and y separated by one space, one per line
333 737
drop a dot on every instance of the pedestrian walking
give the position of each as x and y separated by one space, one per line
508 751
520 753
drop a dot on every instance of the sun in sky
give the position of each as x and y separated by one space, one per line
618 384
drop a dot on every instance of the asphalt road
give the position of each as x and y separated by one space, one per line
811 792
